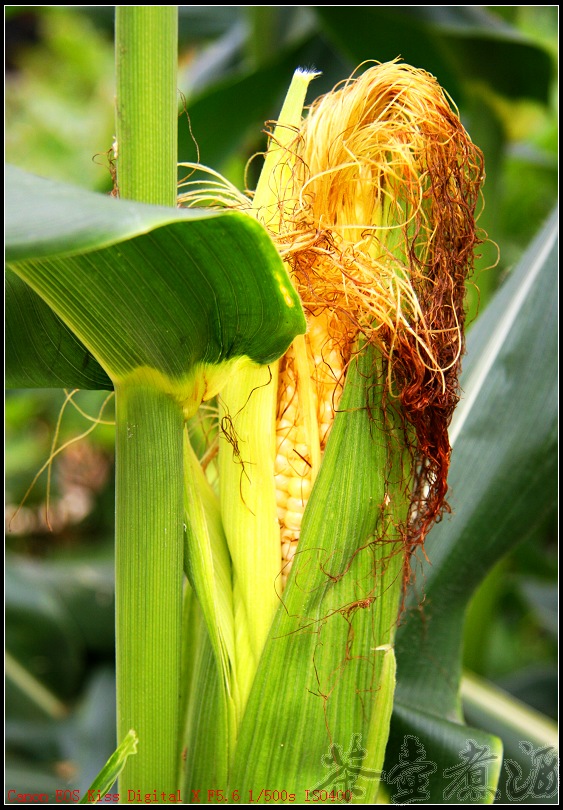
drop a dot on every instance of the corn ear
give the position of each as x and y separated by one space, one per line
378 226
311 374
371 201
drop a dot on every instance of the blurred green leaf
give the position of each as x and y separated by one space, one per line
206 22
530 184
524 733
58 609
88 738
24 778
40 633
86 589
58 99
455 43
67 753
241 103
536 685
543 600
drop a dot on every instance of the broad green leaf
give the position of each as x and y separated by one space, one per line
179 304
42 351
452 763
502 485
317 682
455 43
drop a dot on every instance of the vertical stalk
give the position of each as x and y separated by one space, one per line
146 50
149 487
149 543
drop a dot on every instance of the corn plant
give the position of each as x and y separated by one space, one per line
264 542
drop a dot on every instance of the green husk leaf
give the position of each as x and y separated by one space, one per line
247 412
206 557
208 568
379 724
206 708
318 678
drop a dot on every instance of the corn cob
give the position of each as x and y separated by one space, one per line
310 385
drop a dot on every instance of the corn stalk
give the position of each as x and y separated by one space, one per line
149 499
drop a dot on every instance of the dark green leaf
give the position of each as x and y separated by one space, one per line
454 43
42 351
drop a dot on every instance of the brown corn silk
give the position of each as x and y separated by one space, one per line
377 225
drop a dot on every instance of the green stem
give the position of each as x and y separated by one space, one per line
149 544
146 49
149 490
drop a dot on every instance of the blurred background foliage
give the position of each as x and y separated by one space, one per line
499 64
